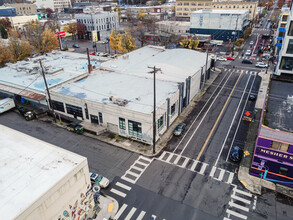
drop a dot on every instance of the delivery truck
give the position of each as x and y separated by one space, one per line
6 104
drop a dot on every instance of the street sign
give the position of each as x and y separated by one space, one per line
94 36
61 34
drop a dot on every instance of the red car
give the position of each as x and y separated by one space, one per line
230 58
93 53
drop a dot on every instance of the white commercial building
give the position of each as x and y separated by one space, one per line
41 181
117 94
173 27
221 24
285 58
55 5
103 22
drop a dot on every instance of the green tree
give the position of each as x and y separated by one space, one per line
81 29
184 43
3 31
5 54
6 23
71 28
127 43
193 43
115 39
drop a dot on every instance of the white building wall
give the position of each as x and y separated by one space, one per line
52 204
55 5
222 20
103 22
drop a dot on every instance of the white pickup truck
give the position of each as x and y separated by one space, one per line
6 104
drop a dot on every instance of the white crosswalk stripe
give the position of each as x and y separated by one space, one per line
130 213
239 204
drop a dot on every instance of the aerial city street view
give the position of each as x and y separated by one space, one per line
146 110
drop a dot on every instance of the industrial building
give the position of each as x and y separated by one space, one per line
118 94
41 181
220 24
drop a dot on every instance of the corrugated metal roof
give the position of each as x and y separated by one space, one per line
21 92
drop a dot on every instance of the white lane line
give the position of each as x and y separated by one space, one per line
130 214
240 199
194 165
203 167
123 186
236 214
242 192
128 179
200 114
230 178
154 217
177 159
221 175
212 173
117 192
227 218
185 162
169 158
121 210
236 131
254 203
162 155
246 71
141 215
232 204
145 158
229 130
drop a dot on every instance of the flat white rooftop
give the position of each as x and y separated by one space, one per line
29 169
60 67
138 91
176 64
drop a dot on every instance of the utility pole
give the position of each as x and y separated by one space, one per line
154 71
48 92
206 69
235 35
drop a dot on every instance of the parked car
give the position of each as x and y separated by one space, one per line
247 61
251 43
248 53
102 54
230 58
93 53
221 59
236 154
75 45
261 65
252 97
76 128
26 113
113 56
179 129
100 180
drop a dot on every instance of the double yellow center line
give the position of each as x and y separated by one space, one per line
217 121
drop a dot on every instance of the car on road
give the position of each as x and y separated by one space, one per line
247 116
26 113
251 42
100 180
261 65
236 154
230 58
247 61
248 53
75 45
252 97
179 129
221 59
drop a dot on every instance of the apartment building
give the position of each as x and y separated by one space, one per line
23 8
285 58
185 7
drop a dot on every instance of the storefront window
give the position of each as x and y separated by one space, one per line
290 47
286 63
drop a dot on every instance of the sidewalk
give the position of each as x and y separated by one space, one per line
253 183
107 208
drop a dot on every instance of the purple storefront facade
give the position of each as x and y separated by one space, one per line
277 163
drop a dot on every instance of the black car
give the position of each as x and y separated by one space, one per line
247 61
236 154
252 97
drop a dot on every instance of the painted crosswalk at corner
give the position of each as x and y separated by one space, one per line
239 205
131 176
193 165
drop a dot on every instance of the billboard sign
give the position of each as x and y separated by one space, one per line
94 36
61 34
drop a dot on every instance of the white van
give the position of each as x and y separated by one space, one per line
6 104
